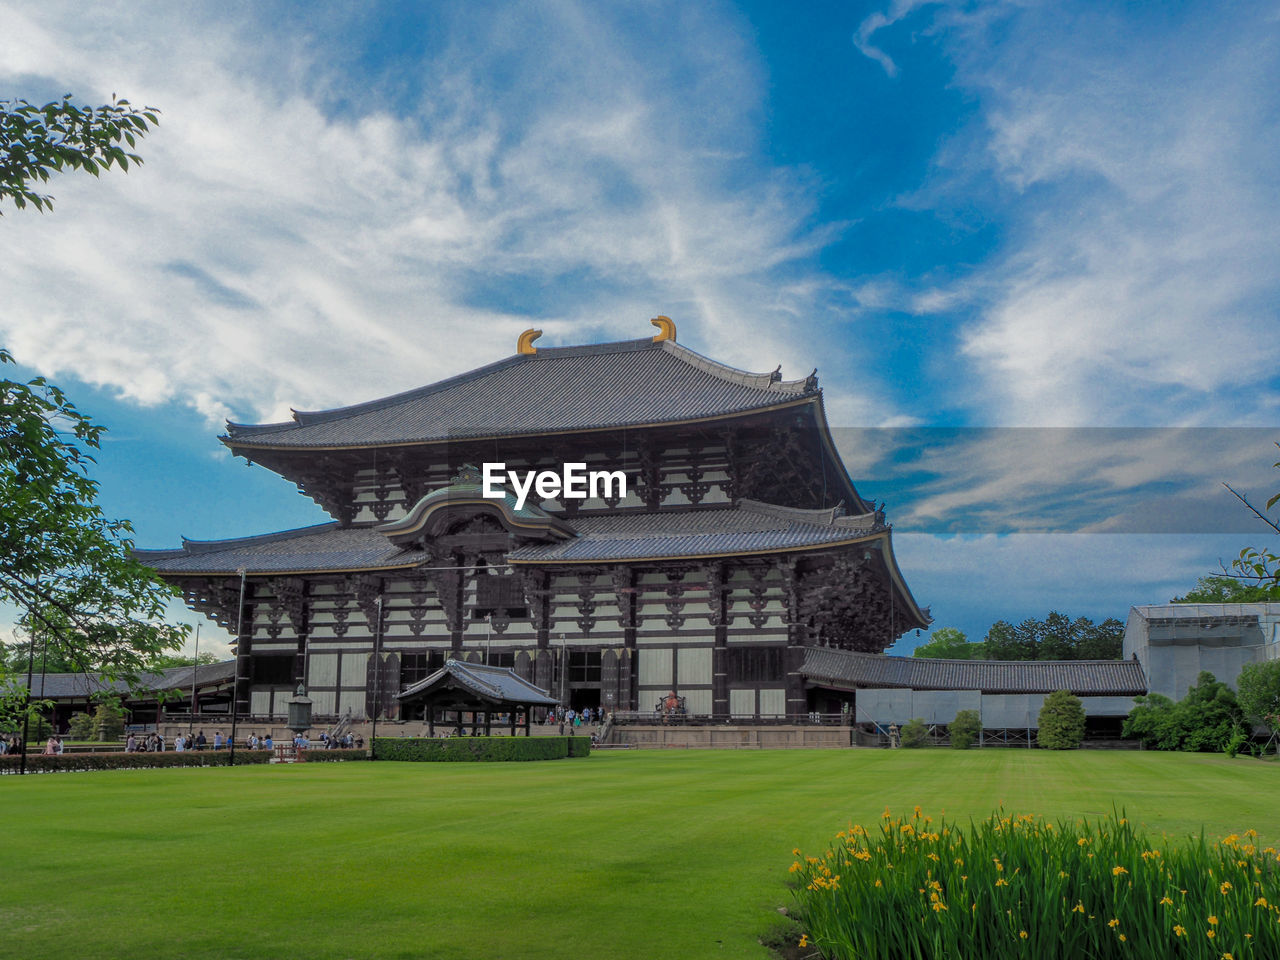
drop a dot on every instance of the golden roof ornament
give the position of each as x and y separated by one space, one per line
524 343
666 329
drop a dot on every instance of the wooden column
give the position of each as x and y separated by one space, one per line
719 605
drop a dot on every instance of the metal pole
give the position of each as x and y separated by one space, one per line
195 666
488 640
26 704
235 674
377 674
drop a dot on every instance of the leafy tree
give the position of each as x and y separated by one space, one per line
1205 719
82 726
1155 721
37 141
1259 693
1224 589
915 733
1057 637
108 720
1211 714
948 643
1003 643
965 729
66 567
1099 641
165 661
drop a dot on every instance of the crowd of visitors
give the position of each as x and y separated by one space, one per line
574 718
10 743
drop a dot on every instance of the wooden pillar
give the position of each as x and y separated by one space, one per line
513 719
244 653
488 716
431 721
718 603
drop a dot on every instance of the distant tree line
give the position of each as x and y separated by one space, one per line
1057 637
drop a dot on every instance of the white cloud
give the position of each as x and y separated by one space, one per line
1131 154
276 252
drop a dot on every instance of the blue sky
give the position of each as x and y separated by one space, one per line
1004 215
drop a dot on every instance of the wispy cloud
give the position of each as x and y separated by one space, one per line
1128 156
1065 480
278 251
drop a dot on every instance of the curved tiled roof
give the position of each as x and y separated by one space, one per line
77 686
844 668
497 684
750 527
324 547
558 389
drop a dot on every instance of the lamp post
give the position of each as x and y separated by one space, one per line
195 666
235 674
377 675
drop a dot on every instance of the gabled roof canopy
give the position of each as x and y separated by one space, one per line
473 686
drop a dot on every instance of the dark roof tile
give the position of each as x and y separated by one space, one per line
1082 677
557 389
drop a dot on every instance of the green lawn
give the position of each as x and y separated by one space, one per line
641 854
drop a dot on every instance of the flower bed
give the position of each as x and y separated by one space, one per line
1019 886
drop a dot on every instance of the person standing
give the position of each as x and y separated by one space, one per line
131 745
200 740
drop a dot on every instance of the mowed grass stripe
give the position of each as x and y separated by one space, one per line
646 854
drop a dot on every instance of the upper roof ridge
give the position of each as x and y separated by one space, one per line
769 384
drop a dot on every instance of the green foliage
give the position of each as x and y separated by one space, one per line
66 567
915 733
81 762
1057 637
1155 721
83 726
454 749
1061 721
965 729
108 720
164 661
37 141
1019 886
1259 693
1220 589
948 643
1205 719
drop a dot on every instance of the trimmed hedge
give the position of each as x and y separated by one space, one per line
453 749
74 762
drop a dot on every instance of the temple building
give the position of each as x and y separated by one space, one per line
737 545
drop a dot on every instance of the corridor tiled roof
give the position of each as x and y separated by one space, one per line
1082 677
78 686
628 383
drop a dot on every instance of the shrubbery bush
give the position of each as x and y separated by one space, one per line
965 728
1061 721
915 733
480 748
1205 719
73 762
